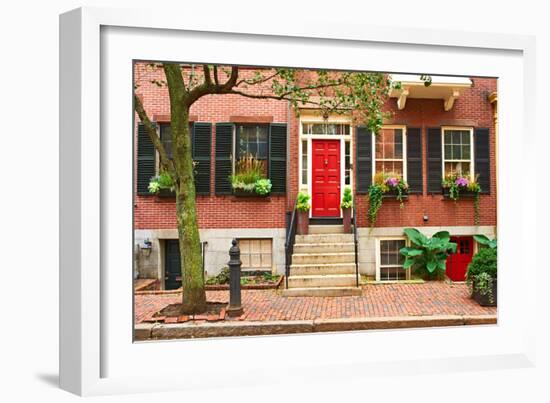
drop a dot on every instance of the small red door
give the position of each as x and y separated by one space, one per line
457 263
325 201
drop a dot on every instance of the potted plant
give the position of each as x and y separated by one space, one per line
162 185
385 185
428 256
481 277
303 206
249 178
346 205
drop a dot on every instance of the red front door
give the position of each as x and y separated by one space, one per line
457 263
326 178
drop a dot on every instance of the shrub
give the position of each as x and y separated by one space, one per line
302 202
484 261
347 199
221 278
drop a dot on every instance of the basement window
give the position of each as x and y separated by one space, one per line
391 261
256 254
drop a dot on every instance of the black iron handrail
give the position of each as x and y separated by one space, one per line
289 243
355 241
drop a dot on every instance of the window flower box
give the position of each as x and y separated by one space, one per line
462 193
166 193
393 193
249 193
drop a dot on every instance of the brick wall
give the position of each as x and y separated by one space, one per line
471 109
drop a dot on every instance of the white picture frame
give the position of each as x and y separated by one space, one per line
97 355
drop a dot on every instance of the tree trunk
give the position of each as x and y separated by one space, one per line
194 296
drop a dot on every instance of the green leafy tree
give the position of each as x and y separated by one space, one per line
428 256
330 91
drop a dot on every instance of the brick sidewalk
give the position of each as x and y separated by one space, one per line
431 298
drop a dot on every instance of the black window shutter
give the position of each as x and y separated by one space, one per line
224 166
482 159
435 174
202 141
277 157
364 160
414 160
146 160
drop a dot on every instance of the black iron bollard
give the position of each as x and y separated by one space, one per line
234 308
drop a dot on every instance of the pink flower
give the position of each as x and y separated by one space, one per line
462 182
392 182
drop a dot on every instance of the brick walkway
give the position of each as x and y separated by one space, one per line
432 298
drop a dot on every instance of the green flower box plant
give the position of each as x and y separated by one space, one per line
385 185
456 185
249 178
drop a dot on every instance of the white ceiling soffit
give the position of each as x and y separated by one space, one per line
446 88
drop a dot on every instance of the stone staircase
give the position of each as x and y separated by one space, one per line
323 264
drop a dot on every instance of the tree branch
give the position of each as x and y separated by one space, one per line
216 80
207 77
232 79
166 163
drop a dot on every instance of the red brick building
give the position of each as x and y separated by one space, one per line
450 124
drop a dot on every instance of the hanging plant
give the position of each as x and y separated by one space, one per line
384 183
456 183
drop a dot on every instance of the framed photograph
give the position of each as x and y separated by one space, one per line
232 191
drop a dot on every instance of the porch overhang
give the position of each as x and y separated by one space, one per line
445 88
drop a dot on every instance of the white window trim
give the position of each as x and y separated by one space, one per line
402 127
378 260
341 137
234 144
472 156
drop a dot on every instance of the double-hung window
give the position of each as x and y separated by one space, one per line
252 141
457 151
166 138
389 155
391 261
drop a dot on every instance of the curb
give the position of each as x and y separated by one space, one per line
152 331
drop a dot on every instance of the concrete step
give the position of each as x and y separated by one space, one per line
316 258
329 280
323 247
312 269
326 229
322 292
324 238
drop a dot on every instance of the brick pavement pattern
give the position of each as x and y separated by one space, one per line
431 298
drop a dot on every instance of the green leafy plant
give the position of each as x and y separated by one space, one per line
456 183
483 240
302 202
161 181
427 257
483 284
262 187
482 270
221 278
383 183
347 199
270 277
249 176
